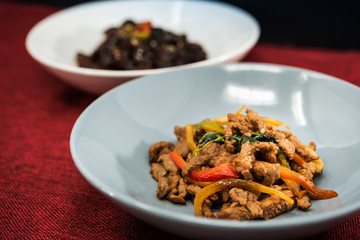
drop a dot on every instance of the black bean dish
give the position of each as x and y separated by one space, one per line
136 46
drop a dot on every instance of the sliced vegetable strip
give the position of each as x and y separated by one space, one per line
226 170
319 165
190 137
307 184
178 159
221 171
221 120
299 160
210 126
240 110
274 122
230 183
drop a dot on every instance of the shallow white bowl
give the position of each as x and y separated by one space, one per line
110 141
225 32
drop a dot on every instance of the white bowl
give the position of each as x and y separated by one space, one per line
110 141
225 32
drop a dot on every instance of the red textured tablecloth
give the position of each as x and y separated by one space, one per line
42 194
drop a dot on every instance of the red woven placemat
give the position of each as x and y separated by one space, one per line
42 194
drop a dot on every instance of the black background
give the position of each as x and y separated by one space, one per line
317 23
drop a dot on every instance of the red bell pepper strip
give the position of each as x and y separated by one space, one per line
178 159
225 170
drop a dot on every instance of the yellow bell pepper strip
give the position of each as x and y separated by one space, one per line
190 137
282 158
199 183
273 122
221 120
231 183
240 110
210 126
307 184
225 170
319 165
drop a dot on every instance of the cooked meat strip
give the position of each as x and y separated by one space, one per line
255 120
202 158
255 209
225 157
194 162
267 208
157 170
181 193
272 174
302 150
267 151
193 189
259 169
158 149
285 145
181 145
233 212
312 145
163 187
303 202
169 164
237 125
243 164
268 175
273 206
243 196
230 145
307 169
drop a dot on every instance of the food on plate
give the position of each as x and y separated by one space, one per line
239 166
136 46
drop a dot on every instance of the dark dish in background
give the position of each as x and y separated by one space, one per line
137 46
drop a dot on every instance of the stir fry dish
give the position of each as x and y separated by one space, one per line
136 46
239 167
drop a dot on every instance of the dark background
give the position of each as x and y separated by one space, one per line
317 23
